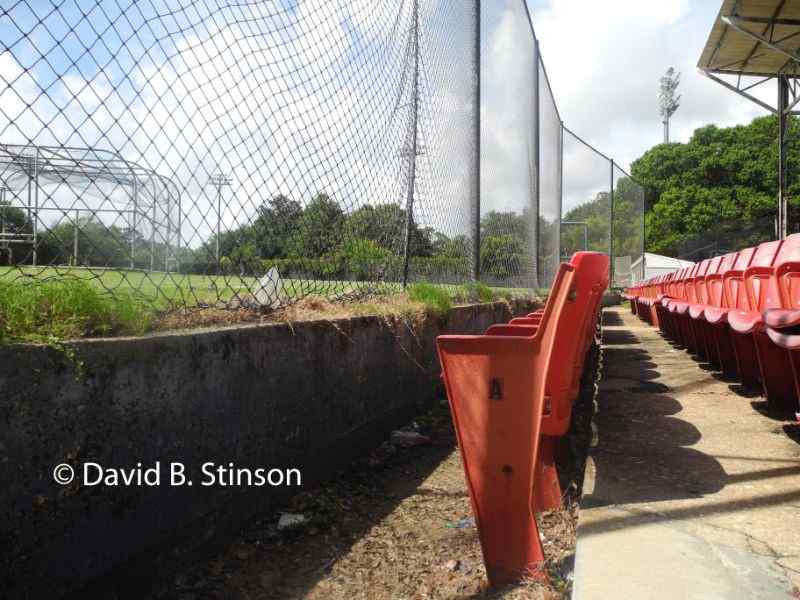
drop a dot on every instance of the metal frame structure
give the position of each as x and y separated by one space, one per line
36 166
759 40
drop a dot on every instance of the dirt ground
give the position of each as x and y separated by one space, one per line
397 524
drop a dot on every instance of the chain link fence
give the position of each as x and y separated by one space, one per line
198 153
597 193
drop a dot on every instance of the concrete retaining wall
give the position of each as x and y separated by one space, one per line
311 395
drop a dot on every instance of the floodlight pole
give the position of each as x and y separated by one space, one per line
153 229
133 221
75 239
219 180
36 204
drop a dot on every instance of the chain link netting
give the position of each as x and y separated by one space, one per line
508 146
198 153
628 226
550 154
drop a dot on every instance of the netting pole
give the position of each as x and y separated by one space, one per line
180 234
412 150
560 190
536 161
476 159
644 227
611 229
168 239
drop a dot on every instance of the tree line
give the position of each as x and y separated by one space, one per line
718 192
318 239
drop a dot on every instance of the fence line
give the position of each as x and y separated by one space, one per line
251 154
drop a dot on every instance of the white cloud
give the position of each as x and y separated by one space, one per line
316 99
605 60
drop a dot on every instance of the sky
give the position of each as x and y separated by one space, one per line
306 97
605 59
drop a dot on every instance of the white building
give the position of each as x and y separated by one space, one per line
650 265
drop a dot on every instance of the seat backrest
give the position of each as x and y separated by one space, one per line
590 280
714 289
680 290
733 280
701 290
764 285
699 271
759 278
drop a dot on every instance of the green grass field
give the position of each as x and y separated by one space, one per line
54 303
167 290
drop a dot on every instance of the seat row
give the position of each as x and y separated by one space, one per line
511 393
740 312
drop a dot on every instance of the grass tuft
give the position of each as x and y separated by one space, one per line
46 311
435 298
475 291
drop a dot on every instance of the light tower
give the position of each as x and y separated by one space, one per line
219 181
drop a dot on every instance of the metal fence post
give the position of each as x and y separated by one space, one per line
611 229
783 101
412 150
476 159
560 189
536 162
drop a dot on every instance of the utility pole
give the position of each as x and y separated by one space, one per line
412 150
219 181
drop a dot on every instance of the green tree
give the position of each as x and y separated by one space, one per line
319 229
717 190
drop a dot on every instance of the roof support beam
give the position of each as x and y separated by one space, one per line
741 92
735 23
768 20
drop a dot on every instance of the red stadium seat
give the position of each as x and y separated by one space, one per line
497 415
712 312
505 392
591 280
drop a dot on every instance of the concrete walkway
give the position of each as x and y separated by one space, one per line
691 492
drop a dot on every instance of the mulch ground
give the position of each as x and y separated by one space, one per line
395 525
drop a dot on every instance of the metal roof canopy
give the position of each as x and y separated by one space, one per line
761 39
